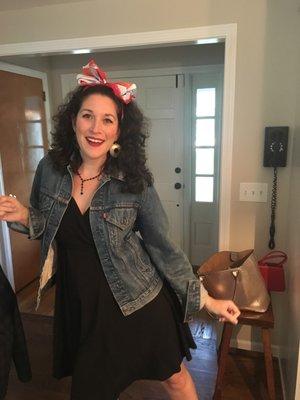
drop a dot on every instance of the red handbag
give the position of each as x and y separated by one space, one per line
271 268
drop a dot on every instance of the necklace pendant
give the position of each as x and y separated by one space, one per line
85 180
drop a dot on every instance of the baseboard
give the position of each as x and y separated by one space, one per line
254 346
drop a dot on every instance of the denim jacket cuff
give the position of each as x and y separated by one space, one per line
203 295
36 223
192 300
18 227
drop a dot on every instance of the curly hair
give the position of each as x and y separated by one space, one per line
134 130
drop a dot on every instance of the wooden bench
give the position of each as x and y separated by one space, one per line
265 321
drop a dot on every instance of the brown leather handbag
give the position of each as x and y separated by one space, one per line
235 276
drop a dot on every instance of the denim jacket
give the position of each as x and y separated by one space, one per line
134 264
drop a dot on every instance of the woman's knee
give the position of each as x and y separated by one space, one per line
178 380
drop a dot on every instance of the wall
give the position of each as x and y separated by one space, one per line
281 106
268 35
37 63
290 322
96 18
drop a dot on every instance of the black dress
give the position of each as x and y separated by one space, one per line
103 350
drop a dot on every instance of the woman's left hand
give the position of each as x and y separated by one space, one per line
226 310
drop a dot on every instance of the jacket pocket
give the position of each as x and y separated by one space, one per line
119 222
127 252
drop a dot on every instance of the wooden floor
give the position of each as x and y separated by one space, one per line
245 377
27 300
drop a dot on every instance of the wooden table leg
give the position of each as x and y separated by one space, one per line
266 338
222 357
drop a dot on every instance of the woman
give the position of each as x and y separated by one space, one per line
122 302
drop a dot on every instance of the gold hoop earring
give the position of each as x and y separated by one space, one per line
115 150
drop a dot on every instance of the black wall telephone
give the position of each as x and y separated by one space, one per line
275 155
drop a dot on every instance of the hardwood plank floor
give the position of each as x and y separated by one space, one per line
244 379
27 300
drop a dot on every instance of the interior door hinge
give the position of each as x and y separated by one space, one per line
44 96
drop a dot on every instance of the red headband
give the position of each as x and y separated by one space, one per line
92 75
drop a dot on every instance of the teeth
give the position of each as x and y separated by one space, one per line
94 140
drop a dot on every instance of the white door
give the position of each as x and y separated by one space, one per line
206 133
161 99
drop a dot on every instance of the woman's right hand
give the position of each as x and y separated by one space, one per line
225 310
11 210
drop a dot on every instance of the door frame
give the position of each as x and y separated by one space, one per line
5 245
213 68
182 36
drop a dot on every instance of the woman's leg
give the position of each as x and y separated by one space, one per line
180 386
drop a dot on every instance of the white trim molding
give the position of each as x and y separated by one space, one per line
5 245
227 138
121 41
227 32
253 346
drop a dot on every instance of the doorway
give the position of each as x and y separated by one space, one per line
166 96
150 39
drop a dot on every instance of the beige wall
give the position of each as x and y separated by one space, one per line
266 92
97 18
290 322
276 71
282 106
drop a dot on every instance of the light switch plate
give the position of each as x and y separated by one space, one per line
254 191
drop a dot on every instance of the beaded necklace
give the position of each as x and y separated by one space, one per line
85 180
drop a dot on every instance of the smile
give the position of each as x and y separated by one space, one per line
93 141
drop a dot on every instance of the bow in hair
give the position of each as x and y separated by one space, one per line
93 75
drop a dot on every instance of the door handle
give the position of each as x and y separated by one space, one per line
177 185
